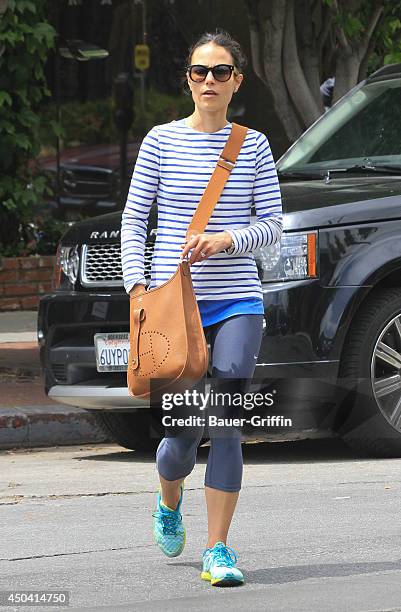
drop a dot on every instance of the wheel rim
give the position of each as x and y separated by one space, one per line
385 372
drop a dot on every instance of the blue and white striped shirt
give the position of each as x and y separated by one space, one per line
174 165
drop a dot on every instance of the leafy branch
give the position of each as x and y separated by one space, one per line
25 39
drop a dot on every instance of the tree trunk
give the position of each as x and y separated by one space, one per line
293 45
346 74
266 34
308 49
351 53
295 80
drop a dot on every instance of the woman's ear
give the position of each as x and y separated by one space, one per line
238 81
187 88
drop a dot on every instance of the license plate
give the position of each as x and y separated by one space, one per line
112 352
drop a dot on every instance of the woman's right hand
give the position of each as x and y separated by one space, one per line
137 289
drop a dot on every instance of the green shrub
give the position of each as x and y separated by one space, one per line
26 39
92 122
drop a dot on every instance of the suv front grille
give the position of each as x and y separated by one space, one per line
101 264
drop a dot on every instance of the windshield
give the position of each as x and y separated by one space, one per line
363 128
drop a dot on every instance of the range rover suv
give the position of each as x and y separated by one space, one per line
332 291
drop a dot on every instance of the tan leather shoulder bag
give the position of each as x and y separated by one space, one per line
168 349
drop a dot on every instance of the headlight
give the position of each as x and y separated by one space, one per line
293 258
67 266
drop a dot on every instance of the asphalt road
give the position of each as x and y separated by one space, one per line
316 529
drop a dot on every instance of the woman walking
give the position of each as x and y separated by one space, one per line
174 165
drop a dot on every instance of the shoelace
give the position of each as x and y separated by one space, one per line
170 521
223 556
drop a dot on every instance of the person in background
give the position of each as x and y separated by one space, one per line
326 91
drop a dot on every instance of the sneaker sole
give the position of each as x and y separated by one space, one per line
222 581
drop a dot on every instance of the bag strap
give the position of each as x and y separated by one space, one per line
215 186
139 315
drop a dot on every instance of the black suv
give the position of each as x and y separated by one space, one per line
332 291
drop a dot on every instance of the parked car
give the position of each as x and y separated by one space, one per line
332 291
91 181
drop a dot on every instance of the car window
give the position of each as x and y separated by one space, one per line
363 126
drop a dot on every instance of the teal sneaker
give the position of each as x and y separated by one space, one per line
219 566
168 530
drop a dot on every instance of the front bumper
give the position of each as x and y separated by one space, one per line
95 395
300 344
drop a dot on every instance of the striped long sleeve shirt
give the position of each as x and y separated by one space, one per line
174 165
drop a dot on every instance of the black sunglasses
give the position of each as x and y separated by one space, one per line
221 72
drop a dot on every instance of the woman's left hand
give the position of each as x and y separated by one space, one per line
205 245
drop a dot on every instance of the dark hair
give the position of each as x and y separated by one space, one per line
223 39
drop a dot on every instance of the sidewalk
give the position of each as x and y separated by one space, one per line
28 418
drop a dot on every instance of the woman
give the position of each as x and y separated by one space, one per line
174 165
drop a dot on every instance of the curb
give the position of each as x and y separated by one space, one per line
51 425
18 338
20 359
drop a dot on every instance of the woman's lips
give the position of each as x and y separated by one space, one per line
209 94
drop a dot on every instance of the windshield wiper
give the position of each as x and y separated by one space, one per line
325 173
380 169
300 175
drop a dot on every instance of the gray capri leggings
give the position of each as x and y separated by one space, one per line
235 344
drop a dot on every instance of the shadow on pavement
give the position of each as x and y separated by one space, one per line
301 451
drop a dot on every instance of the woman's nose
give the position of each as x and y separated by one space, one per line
209 77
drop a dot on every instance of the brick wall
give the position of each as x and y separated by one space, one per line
23 280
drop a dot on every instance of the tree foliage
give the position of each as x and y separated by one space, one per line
297 44
25 39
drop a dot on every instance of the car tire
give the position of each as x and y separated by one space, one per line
135 430
369 416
